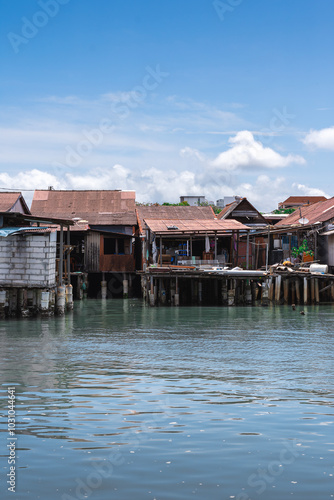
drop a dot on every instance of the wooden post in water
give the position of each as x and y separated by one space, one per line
68 263
316 290
61 256
237 259
278 289
297 291
305 291
231 297
312 291
162 291
293 292
265 293
247 251
215 284
176 296
332 291
271 288
224 292
248 294
200 297
194 291
286 290
125 286
152 296
254 287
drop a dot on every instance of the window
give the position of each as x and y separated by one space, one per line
109 246
120 249
114 246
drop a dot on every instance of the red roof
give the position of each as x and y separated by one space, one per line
229 207
200 226
303 200
161 212
97 207
13 201
318 212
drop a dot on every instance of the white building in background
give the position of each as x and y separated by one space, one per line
222 202
194 201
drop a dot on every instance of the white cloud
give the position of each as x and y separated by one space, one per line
192 154
308 191
32 179
246 152
320 139
158 185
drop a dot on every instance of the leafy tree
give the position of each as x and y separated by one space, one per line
284 211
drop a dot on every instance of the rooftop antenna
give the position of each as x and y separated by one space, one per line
303 220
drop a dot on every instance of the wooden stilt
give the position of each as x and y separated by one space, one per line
200 292
297 291
177 296
224 292
286 290
265 293
278 289
305 291
152 296
312 291
293 292
316 290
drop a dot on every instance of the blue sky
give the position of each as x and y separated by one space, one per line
224 97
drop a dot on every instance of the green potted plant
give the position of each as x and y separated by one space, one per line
303 252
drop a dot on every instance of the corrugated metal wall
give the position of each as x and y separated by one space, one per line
331 250
92 252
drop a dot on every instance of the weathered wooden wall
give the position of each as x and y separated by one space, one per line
92 252
117 263
331 250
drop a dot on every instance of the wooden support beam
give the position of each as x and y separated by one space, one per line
297 290
286 290
160 251
215 246
293 292
247 251
237 248
316 290
61 255
326 288
278 289
305 290
271 288
312 291
68 255
200 292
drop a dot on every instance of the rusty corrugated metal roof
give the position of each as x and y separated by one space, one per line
227 209
200 226
317 212
303 200
161 212
97 207
8 201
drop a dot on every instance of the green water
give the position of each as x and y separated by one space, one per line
121 401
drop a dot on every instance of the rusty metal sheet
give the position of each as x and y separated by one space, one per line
97 207
201 226
318 212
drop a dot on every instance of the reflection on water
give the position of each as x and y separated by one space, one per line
119 401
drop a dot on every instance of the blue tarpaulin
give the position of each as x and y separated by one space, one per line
9 231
